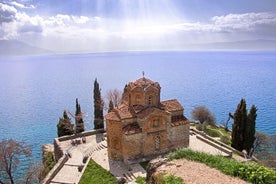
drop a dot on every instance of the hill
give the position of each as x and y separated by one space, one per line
13 47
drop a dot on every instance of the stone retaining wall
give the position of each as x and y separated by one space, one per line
55 170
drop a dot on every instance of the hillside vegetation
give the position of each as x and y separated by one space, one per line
251 172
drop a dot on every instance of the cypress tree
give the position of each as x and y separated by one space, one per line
78 118
250 129
238 127
110 106
98 107
64 126
243 128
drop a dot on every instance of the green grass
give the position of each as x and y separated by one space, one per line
247 171
94 173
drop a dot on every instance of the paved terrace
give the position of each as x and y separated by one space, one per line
96 148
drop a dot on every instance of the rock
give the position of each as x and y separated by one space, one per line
121 180
152 167
46 148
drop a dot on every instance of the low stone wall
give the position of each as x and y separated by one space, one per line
59 152
83 134
218 142
55 170
227 151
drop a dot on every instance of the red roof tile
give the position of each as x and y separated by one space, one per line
172 105
131 129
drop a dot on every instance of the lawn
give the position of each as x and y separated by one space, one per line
94 173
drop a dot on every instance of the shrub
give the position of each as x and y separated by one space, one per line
212 132
84 160
49 161
256 174
141 180
80 167
200 127
225 139
168 179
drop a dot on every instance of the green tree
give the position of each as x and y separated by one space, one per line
78 118
98 107
10 152
238 127
243 128
249 134
64 126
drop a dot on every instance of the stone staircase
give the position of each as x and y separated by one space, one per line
129 176
89 152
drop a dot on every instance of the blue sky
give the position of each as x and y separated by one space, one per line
123 25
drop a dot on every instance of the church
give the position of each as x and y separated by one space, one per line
143 126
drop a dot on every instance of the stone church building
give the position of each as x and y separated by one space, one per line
143 126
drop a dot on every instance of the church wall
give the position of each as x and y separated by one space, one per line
155 143
154 126
132 145
179 136
114 139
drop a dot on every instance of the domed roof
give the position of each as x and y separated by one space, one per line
144 82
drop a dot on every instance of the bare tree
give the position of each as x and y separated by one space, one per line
115 96
35 174
10 151
203 115
261 143
226 123
264 149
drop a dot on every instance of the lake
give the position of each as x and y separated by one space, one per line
34 90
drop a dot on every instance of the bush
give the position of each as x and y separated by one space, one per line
225 139
212 132
168 179
200 127
49 161
141 180
84 160
80 167
256 174
250 172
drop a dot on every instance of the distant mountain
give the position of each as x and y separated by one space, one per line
259 44
14 47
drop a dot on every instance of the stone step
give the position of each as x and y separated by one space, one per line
129 176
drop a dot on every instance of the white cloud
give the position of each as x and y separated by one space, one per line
7 13
19 5
66 31
243 22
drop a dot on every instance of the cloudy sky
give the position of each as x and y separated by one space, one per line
122 25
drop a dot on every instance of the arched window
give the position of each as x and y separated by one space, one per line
155 123
157 142
138 99
150 100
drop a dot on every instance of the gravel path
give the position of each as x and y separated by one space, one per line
197 173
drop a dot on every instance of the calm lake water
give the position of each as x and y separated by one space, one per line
34 90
